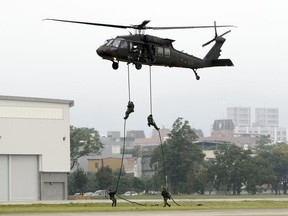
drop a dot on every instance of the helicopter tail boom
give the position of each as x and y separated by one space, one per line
215 51
212 57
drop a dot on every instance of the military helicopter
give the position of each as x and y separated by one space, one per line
142 49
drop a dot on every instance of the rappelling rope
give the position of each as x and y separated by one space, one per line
150 80
163 159
121 167
123 149
129 95
133 202
122 159
174 201
160 137
124 139
124 142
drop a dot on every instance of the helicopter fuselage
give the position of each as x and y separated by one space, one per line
151 50
147 50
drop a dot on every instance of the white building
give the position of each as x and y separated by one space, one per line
266 122
34 148
266 117
241 116
276 134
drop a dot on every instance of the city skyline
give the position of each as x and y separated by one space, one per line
251 118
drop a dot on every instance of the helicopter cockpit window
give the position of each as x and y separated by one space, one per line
109 42
116 42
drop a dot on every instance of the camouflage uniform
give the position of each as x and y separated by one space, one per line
152 122
111 195
166 196
130 109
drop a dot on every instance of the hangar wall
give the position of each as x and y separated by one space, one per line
53 186
34 148
19 180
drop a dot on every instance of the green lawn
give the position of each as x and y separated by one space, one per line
150 206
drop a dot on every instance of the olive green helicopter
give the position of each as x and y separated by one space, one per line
143 49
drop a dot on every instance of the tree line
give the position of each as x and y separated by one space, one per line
81 182
86 142
179 164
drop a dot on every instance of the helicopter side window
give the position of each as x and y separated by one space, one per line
160 51
116 42
124 45
167 52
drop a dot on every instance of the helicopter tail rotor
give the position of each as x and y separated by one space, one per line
216 35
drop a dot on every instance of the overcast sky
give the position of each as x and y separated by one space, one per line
58 60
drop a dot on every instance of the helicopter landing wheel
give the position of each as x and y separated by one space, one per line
196 75
138 66
115 65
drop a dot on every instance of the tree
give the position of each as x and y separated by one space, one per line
149 184
92 182
258 172
105 178
203 181
229 169
71 186
83 142
263 143
277 159
80 180
183 159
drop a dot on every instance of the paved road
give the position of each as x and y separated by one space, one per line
241 212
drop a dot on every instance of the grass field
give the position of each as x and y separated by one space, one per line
156 205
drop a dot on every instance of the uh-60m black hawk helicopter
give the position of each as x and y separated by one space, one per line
150 50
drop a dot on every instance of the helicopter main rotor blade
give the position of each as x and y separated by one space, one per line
188 27
215 38
142 26
89 23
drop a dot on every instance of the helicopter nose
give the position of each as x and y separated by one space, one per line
100 51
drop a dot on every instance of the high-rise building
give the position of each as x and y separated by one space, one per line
266 122
266 117
241 116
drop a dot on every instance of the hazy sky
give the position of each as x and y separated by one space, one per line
58 60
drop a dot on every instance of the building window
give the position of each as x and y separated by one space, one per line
97 165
